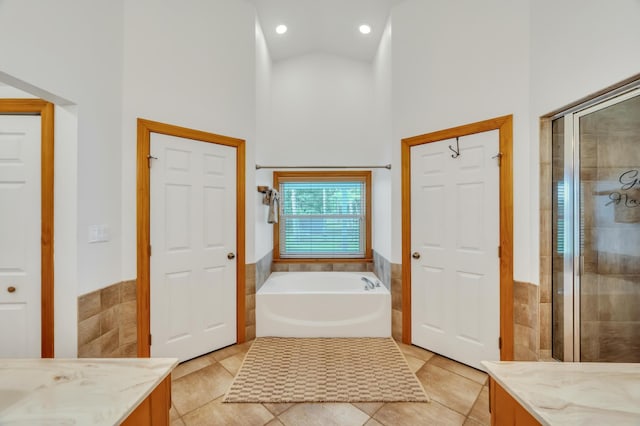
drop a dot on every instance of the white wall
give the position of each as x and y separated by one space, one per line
577 48
458 62
321 113
263 231
381 132
69 52
73 49
190 64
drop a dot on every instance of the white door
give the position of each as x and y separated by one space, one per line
193 243
455 220
20 277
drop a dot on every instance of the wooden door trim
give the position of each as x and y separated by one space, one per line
46 112
504 125
145 128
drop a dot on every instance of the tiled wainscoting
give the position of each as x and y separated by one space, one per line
525 318
396 301
107 322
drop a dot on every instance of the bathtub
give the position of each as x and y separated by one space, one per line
322 304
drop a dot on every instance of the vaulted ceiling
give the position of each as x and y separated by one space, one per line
328 26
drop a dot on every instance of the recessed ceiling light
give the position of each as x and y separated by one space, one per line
281 29
365 29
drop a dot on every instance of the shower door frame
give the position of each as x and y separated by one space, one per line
572 266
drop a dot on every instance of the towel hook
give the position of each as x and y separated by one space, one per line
456 152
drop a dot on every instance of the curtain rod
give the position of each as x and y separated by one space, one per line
386 166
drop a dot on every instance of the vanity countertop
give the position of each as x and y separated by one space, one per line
558 393
77 391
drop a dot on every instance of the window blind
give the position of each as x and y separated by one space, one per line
323 219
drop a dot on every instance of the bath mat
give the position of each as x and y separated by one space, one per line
279 369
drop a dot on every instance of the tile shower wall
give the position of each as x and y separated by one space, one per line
107 322
550 261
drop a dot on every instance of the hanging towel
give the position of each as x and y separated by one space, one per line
272 199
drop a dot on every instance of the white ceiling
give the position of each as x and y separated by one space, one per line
329 26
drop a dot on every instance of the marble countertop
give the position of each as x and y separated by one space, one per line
77 391
557 393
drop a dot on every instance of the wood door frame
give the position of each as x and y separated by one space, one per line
46 112
145 128
504 125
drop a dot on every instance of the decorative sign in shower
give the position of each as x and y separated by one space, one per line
627 197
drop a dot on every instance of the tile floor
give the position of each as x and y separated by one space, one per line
459 396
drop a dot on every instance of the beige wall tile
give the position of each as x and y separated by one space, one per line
350 267
128 333
250 332
396 324
92 349
251 317
129 351
251 301
110 296
88 330
250 271
396 270
545 326
110 341
127 312
280 267
89 305
250 286
128 291
520 293
109 319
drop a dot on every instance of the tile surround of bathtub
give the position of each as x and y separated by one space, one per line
263 269
382 269
107 322
323 267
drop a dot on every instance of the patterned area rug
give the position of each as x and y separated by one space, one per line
278 369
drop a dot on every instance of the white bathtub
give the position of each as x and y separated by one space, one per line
322 304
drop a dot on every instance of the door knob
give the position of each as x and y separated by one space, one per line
415 255
11 289
231 256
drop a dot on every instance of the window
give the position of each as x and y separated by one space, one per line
323 215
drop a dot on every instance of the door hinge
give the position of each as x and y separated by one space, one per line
149 249
498 156
499 342
499 251
149 339
149 158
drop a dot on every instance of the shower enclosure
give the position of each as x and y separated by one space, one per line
596 230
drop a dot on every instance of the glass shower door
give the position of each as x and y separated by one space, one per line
608 230
596 232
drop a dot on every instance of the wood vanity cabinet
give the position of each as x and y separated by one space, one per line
505 410
154 410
